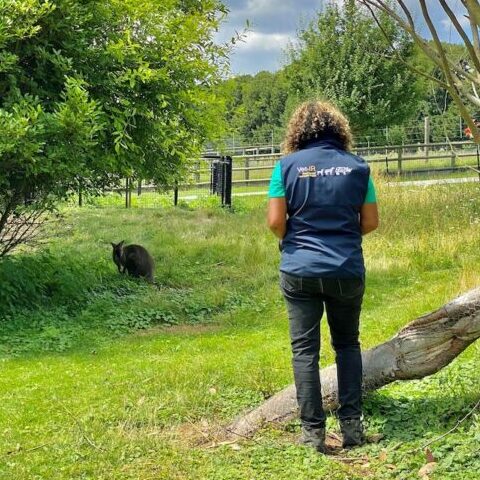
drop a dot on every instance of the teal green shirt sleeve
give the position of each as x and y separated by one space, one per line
277 189
371 196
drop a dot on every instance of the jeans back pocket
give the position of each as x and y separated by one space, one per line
290 283
351 287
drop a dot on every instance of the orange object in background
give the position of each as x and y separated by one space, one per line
468 132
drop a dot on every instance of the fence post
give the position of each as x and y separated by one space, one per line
212 178
400 154
227 182
478 162
197 172
80 193
139 187
426 137
128 192
247 166
386 159
453 159
175 194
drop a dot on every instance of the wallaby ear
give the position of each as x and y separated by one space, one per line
113 244
121 243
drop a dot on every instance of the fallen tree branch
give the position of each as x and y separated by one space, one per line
421 348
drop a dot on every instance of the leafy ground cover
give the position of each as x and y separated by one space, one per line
108 378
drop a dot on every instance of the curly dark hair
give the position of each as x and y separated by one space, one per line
315 120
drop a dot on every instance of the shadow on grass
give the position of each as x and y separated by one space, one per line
75 300
54 303
58 304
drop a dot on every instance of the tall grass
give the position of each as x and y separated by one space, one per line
104 377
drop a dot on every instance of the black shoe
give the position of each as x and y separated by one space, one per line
352 431
314 437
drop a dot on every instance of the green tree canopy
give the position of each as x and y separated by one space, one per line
96 89
256 104
344 57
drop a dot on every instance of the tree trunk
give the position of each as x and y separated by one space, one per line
422 348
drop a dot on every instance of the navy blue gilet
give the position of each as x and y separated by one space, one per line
325 188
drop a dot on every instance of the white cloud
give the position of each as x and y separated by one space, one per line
257 41
255 8
274 22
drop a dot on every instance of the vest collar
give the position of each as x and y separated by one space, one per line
327 140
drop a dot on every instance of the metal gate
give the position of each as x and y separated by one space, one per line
221 178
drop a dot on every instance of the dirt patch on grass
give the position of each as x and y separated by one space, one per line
199 434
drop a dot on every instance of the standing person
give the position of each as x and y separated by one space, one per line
321 201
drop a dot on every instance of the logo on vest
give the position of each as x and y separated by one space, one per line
311 171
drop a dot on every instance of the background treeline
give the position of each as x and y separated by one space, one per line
342 55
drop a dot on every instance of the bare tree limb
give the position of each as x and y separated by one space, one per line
399 57
455 75
21 228
421 348
407 13
474 23
473 98
473 9
408 27
448 72
468 44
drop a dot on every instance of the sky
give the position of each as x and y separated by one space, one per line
274 23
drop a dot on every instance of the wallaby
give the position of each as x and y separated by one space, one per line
133 259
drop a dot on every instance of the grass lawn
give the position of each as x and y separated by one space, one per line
103 377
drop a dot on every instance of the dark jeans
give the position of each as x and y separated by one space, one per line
306 300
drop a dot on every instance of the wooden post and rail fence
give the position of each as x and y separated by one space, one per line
216 174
